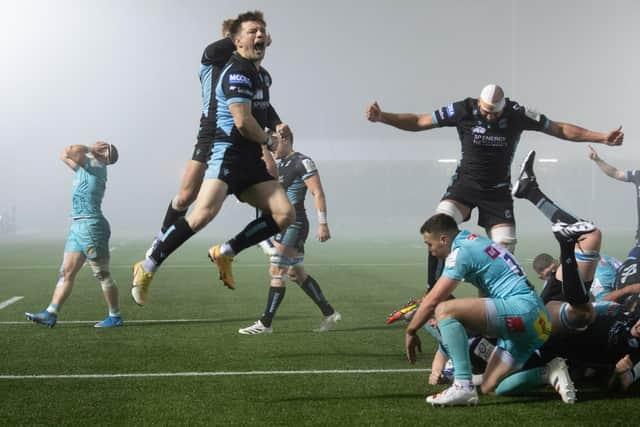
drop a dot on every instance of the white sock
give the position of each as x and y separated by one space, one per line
225 249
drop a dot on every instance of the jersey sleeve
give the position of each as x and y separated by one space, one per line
308 168
449 115
238 86
457 264
528 118
273 119
632 175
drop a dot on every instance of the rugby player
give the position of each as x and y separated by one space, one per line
510 310
88 238
489 128
235 165
297 173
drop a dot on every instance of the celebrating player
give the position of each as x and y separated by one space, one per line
235 166
489 128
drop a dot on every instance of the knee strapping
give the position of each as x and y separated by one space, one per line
505 236
107 283
280 261
449 208
297 261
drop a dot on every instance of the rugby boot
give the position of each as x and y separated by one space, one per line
223 262
455 395
527 178
141 283
44 318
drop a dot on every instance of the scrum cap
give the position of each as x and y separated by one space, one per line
492 98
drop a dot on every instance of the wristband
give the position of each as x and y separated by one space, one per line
322 217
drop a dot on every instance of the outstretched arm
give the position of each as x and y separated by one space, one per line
606 167
570 132
405 121
618 293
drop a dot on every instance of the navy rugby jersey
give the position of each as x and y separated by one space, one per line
292 172
214 57
240 81
488 149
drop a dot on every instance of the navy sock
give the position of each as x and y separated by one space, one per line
275 297
312 288
549 209
171 217
175 236
573 289
255 232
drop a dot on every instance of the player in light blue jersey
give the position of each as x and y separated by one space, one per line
509 308
89 235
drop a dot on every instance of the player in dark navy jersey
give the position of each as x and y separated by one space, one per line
243 110
489 129
628 280
297 173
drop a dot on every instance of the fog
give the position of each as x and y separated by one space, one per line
126 71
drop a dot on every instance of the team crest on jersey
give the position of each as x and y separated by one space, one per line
449 111
450 262
309 165
240 79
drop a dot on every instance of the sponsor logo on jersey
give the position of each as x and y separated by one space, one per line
514 324
259 94
542 326
450 262
239 79
479 130
240 89
260 105
492 252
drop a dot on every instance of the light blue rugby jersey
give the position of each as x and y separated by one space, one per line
604 280
89 185
486 265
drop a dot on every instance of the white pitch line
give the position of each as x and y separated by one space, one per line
10 301
215 374
26 322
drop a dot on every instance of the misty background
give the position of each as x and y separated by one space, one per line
126 71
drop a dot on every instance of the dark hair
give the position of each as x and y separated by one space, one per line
255 15
439 224
112 154
226 26
542 261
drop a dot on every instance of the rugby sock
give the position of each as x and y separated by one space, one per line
255 232
522 381
606 308
549 208
276 295
114 311
434 269
171 217
573 289
175 236
456 344
311 288
53 308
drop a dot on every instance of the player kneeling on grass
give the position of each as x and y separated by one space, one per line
297 173
511 310
89 235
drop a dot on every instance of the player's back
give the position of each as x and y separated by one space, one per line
486 265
